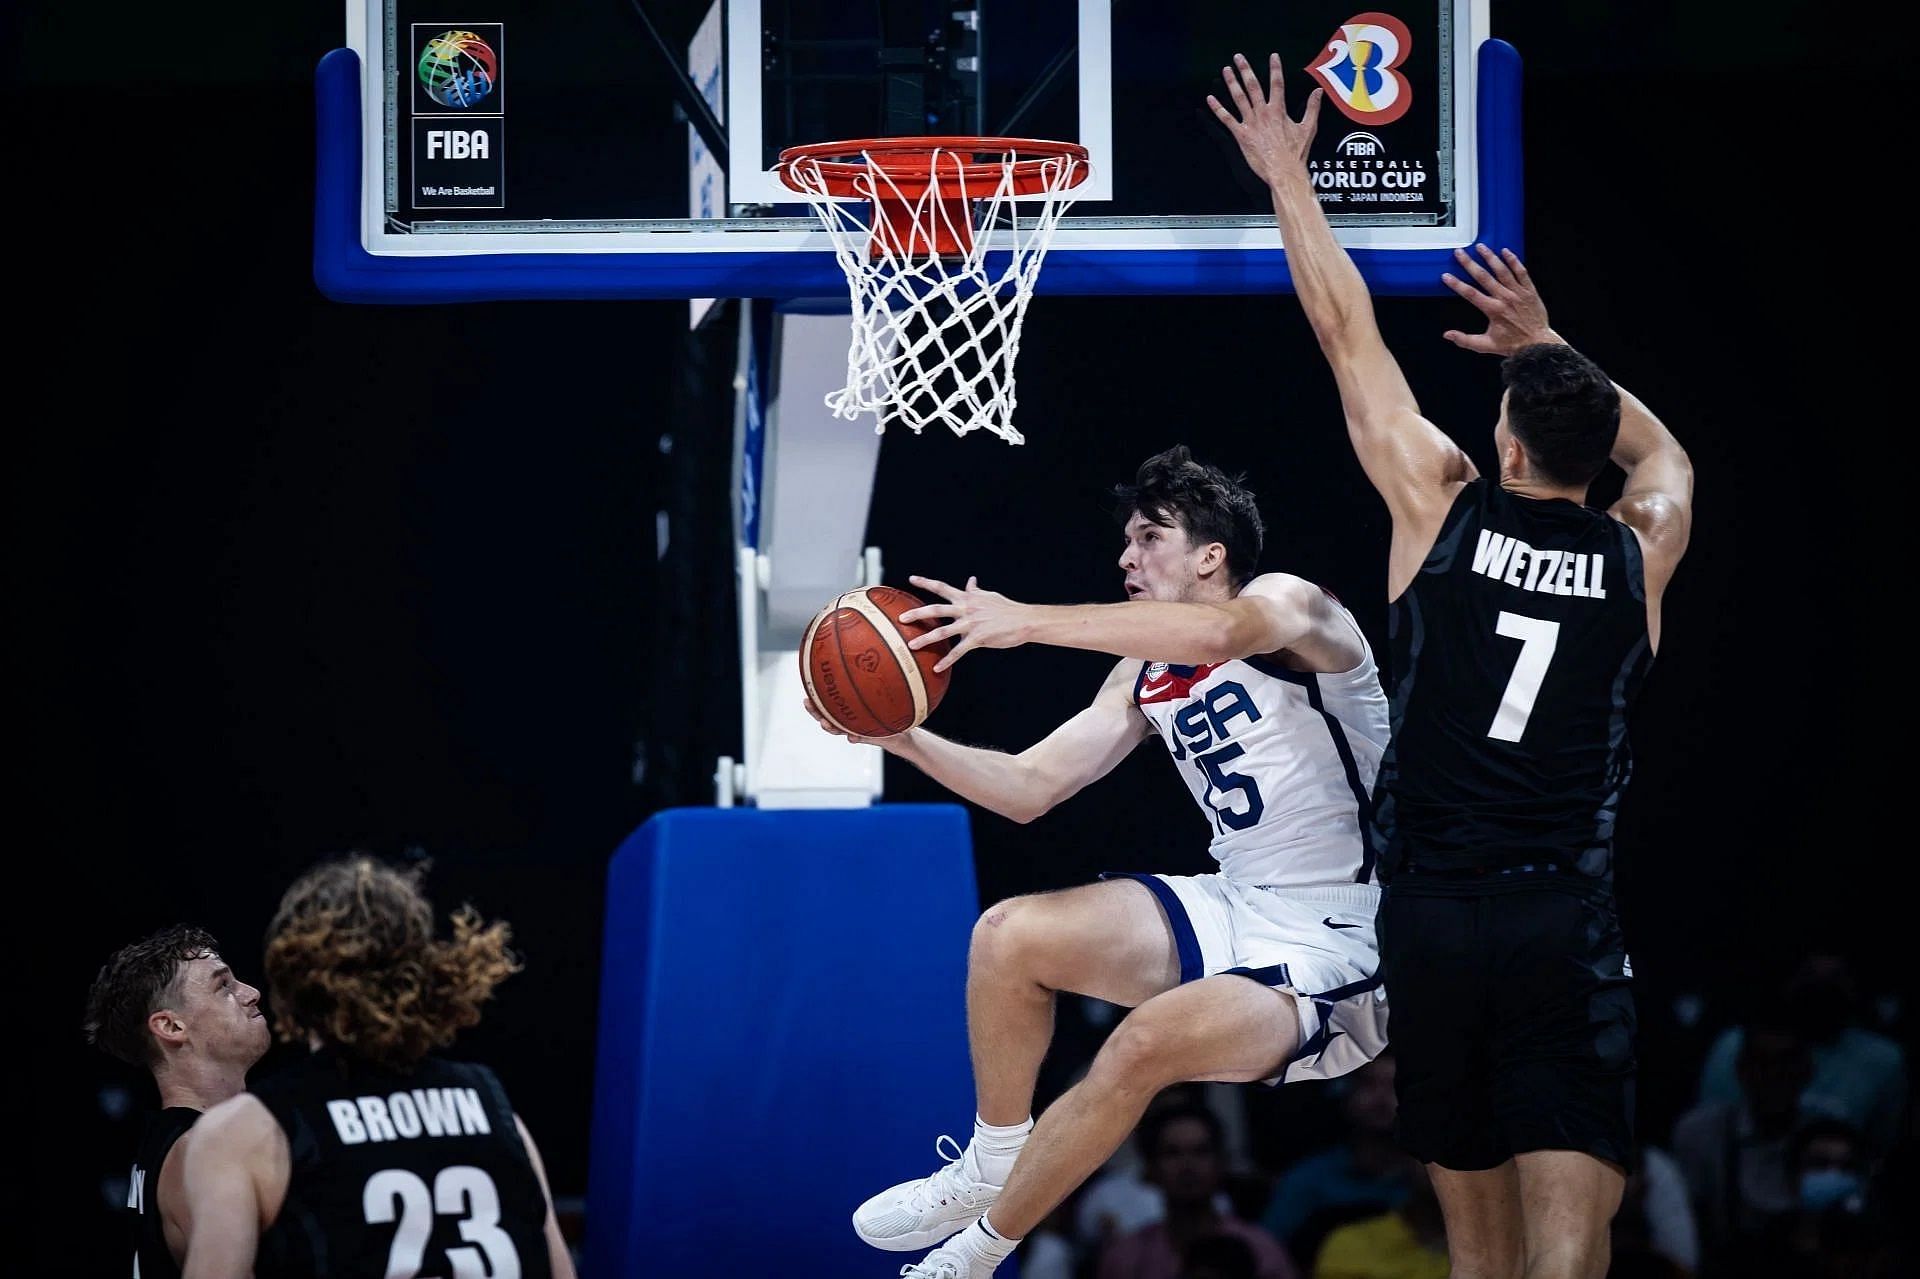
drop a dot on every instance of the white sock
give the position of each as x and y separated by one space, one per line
985 1243
995 1149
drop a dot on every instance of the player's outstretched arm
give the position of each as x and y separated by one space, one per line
1657 501
1412 463
1297 617
237 1162
1022 787
1499 286
1272 612
1191 634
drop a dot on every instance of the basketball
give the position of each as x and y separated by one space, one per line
858 670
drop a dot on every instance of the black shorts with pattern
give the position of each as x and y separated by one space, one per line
1511 1023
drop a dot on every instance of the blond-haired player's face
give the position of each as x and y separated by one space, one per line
1159 562
222 1013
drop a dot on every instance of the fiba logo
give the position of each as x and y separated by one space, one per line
458 69
1363 174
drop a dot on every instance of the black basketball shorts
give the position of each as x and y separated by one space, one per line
1512 1025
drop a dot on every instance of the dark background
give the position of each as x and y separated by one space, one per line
289 577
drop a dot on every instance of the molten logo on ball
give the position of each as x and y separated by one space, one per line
458 69
859 671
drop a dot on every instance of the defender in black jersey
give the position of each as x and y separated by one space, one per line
169 1003
371 1157
1523 623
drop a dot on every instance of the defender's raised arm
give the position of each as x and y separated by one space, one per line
1412 463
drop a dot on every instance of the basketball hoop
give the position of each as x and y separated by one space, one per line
936 314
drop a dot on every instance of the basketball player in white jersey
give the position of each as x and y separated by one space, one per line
1265 694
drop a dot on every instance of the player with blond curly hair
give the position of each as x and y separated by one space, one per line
372 1156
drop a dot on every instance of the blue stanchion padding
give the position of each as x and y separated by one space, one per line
346 272
782 1034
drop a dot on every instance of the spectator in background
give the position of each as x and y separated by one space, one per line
170 1005
1362 1177
1832 1230
1735 1154
1408 1242
1654 1232
1829 1231
1121 1198
1183 1146
1831 1166
1859 1075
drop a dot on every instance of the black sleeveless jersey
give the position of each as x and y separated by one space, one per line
1516 654
151 1257
422 1173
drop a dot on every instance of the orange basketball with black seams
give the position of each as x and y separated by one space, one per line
857 668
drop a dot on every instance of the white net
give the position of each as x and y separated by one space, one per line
935 336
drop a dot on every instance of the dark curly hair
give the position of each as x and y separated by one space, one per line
352 961
1564 411
1173 490
136 981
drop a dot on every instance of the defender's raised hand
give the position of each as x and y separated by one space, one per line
1273 142
1516 316
976 619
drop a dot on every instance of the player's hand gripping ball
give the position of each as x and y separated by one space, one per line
860 676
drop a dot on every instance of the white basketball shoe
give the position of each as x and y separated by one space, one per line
918 1214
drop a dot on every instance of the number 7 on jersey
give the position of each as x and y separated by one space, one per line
1537 640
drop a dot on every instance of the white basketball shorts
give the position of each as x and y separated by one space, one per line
1315 944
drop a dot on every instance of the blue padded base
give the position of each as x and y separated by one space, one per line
782 1034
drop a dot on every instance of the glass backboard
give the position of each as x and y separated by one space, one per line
509 148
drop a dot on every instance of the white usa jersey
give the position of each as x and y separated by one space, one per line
1281 762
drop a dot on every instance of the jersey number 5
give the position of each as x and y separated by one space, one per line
1537 641
461 1191
1219 781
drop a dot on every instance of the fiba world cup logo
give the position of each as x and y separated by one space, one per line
458 69
1357 68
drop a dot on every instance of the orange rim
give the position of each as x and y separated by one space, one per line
909 162
1027 166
